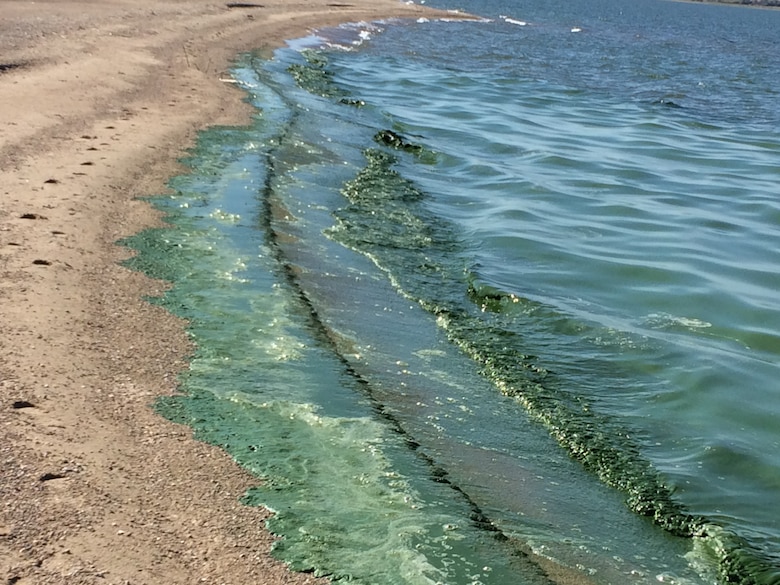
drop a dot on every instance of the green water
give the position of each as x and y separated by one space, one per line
446 313
364 483
350 495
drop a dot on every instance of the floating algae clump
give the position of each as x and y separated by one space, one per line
314 77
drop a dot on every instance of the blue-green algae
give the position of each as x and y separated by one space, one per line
351 497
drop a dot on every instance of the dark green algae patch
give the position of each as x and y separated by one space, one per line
315 77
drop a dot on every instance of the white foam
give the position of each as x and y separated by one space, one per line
304 43
509 20
350 35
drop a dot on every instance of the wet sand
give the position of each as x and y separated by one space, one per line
98 99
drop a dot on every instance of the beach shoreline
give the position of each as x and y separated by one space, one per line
98 101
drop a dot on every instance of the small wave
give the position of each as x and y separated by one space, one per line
668 103
665 321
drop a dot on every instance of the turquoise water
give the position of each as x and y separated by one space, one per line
494 302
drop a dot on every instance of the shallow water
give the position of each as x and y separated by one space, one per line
532 335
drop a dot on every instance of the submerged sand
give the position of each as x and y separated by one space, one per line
98 99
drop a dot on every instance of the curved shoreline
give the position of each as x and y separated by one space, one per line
99 99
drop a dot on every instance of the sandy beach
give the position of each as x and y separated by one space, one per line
98 99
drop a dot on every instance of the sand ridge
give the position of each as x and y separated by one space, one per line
98 99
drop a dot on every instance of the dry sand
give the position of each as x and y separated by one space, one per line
98 99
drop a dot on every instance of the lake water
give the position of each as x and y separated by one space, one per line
496 301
